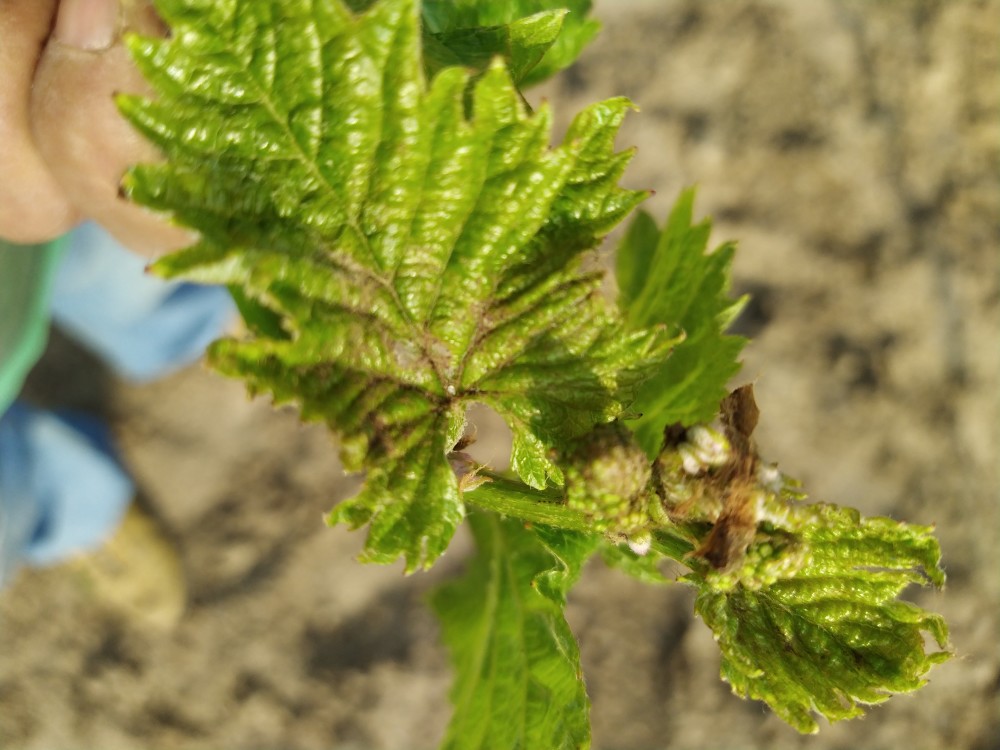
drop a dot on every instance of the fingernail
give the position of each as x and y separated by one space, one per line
87 24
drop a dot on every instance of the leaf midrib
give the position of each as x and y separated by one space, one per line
417 333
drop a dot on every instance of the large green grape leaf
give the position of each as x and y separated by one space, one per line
518 681
455 19
397 259
667 277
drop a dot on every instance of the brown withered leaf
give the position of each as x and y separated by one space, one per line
739 416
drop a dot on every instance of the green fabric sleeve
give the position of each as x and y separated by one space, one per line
26 273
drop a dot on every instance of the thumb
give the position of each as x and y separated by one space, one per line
32 205
83 139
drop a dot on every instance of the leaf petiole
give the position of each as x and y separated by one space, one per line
509 497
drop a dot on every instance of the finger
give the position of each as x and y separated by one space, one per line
85 142
33 207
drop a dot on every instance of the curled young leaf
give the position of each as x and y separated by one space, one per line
802 598
831 636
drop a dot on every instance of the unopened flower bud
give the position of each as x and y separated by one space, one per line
710 445
607 478
640 543
703 448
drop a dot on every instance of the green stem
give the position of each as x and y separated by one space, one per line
509 497
671 544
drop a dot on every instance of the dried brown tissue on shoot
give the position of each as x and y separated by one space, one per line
467 439
719 485
470 456
466 468
720 475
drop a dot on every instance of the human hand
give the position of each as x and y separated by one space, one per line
63 145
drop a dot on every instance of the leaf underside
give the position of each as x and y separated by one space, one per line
548 52
522 44
518 681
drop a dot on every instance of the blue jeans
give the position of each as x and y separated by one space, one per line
62 488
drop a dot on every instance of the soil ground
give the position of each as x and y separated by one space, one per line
852 148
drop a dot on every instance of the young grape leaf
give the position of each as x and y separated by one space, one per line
817 627
400 259
802 597
667 277
518 681
443 18
522 44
